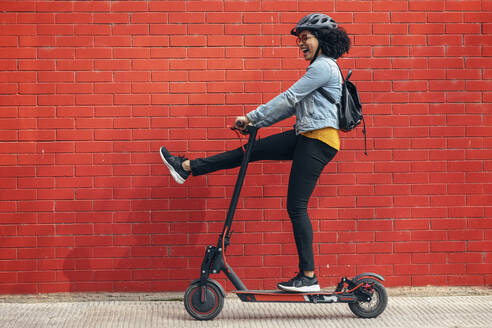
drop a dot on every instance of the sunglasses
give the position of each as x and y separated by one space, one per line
303 39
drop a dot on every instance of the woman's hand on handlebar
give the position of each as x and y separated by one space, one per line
241 123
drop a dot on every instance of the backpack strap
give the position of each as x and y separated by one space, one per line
326 94
365 136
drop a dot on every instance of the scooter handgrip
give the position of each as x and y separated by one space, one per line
239 124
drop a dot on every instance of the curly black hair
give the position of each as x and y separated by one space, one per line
334 42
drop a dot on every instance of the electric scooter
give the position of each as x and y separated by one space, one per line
204 298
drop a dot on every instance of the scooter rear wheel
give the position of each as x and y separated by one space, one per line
203 308
376 306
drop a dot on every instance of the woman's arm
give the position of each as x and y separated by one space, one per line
284 105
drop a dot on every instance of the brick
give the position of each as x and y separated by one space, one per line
378 40
19 6
285 5
477 63
10 41
8 64
364 259
465 258
93 100
73 65
463 28
260 18
478 85
429 258
188 41
390 51
92 53
466 211
17 77
375 225
18 29
479 246
439 40
448 246
242 6
118 18
358 236
435 5
92 6
374 63
115 41
36 230
453 5
391 29
133 29
447 268
189 18
426 51
444 17
130 6
407 17
150 41
469 280
92 29
466 235
149 18
426 28
413 269
59 29
481 268
35 206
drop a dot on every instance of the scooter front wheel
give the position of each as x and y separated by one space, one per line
203 303
377 304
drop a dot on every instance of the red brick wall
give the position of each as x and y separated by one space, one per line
89 91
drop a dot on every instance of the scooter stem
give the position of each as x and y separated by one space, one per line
252 131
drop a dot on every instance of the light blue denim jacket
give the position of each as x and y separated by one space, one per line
312 110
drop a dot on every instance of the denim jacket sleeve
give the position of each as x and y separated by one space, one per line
284 105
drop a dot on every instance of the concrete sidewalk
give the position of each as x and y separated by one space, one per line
413 311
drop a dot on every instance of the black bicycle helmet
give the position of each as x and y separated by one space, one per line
314 21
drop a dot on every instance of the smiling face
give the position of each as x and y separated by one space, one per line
307 44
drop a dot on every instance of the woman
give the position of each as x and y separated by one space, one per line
311 145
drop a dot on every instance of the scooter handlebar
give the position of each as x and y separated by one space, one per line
239 125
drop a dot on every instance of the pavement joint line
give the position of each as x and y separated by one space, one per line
428 291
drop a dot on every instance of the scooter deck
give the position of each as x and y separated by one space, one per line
282 296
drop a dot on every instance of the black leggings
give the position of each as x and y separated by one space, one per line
309 157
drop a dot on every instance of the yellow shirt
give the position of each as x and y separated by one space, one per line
328 135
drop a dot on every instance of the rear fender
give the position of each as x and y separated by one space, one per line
367 275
